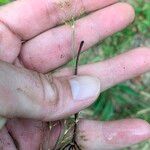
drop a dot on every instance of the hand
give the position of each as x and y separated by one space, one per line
45 47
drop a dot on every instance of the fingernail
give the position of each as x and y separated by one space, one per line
2 122
85 87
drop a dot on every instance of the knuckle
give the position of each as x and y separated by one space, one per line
49 89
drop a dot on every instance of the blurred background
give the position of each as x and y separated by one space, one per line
131 98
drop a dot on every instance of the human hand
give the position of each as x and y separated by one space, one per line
46 46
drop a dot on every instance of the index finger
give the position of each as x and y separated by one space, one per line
28 18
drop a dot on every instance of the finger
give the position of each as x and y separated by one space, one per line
6 142
95 135
91 135
53 48
117 69
9 44
9 49
26 133
42 137
28 94
31 17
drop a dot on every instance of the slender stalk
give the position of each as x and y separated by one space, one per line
77 60
73 145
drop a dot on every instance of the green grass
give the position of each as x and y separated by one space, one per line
2 2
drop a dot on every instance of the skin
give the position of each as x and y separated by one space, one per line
46 46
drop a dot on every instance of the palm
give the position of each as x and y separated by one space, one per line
47 46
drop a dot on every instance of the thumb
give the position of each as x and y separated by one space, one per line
28 94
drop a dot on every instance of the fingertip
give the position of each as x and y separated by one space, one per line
143 128
10 44
85 87
74 93
142 58
124 14
112 134
125 132
128 11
